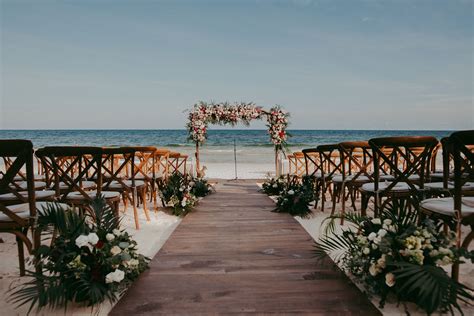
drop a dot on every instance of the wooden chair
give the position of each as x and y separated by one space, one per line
177 163
118 170
145 171
297 164
357 170
461 206
18 219
406 166
69 177
326 166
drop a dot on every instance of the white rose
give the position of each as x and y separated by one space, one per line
115 250
82 241
372 236
387 221
373 270
93 238
376 221
366 251
117 232
275 186
110 237
291 192
390 279
183 203
382 233
133 262
116 276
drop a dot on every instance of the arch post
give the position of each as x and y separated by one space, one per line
198 167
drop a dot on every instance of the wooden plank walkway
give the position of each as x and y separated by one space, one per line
233 256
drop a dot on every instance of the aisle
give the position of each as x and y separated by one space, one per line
233 255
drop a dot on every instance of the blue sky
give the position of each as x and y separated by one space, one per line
333 64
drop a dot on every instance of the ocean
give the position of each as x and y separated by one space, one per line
253 147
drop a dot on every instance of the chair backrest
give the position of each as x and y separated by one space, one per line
145 163
357 160
118 165
312 162
330 159
177 162
162 161
20 154
406 157
296 164
71 165
462 143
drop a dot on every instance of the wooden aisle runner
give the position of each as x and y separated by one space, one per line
233 255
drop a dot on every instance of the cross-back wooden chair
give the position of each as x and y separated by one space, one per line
145 170
69 178
357 170
459 209
297 164
118 169
20 178
177 163
20 218
408 167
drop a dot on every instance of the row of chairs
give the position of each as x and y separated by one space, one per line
73 177
396 172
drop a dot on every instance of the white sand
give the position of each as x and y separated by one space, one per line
150 238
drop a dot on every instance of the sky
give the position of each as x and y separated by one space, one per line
83 64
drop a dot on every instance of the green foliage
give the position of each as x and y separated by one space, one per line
296 197
89 261
200 187
178 191
274 186
397 254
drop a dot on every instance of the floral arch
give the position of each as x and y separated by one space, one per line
225 113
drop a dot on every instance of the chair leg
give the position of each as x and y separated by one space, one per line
143 195
21 256
135 212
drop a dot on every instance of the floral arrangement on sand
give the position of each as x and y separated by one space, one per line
294 195
398 255
181 192
204 114
89 260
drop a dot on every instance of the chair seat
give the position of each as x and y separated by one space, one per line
128 183
86 185
39 185
37 177
359 179
468 186
399 187
23 210
39 195
445 206
77 196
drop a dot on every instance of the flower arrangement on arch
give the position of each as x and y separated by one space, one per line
204 114
90 259
395 254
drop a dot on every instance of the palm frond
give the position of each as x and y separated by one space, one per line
430 287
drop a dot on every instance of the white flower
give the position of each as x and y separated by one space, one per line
117 232
133 262
387 221
373 270
115 250
183 203
382 233
110 237
376 221
291 192
372 236
275 185
82 241
115 276
93 238
366 251
390 279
